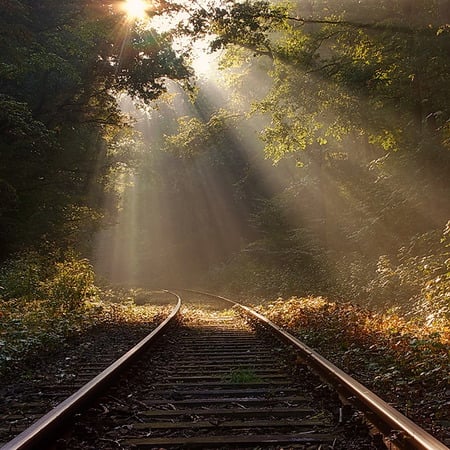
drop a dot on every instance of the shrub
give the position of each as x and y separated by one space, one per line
434 299
20 276
71 285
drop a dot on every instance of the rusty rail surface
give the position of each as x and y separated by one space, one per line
38 434
406 434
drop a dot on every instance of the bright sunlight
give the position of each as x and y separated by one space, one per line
136 9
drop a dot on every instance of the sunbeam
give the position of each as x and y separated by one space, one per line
304 171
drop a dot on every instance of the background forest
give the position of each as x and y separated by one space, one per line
317 162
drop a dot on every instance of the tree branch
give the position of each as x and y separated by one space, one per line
364 25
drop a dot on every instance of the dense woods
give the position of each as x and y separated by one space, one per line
63 143
318 165
62 65
324 155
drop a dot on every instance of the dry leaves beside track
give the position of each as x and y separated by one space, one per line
403 361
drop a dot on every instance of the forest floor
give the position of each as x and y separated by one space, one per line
34 330
108 332
405 362
113 337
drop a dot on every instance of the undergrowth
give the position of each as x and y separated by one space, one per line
406 361
415 277
44 302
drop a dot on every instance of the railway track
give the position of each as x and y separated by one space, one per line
27 398
217 382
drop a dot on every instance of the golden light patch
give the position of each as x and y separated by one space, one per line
136 9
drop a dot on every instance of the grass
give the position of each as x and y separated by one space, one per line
242 375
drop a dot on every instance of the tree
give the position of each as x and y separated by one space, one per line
62 67
359 106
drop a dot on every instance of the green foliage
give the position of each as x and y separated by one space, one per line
196 136
261 269
20 276
244 23
416 281
71 285
35 327
242 375
66 284
18 128
63 66
32 325
192 139
336 73
42 301
434 298
145 63
355 99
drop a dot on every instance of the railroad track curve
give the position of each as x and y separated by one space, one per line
220 380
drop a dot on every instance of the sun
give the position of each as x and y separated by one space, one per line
136 9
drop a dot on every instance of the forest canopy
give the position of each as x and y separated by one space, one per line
324 170
63 65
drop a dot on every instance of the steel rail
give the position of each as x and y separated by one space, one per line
38 434
406 433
